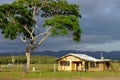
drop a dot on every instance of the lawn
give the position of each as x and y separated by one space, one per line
47 71
57 74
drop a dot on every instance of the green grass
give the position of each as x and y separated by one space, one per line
46 71
57 74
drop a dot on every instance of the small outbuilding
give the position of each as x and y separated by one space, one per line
82 62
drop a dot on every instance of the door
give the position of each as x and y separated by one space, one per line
86 66
77 66
107 65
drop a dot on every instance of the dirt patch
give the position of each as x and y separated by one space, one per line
102 78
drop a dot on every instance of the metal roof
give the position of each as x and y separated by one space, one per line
85 57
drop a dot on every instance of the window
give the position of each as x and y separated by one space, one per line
64 63
92 64
97 65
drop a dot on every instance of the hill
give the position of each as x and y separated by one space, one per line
97 54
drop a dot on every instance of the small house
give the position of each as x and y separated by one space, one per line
82 62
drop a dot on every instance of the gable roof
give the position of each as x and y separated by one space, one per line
84 57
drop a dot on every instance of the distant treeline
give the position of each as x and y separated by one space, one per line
21 59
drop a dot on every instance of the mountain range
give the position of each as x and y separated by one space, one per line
97 54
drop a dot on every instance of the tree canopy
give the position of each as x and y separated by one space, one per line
63 17
12 18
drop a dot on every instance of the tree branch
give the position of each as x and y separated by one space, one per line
22 39
31 33
45 35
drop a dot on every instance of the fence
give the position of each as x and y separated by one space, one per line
47 70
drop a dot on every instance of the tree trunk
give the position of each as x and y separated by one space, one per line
28 55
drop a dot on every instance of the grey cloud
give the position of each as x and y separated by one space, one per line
57 43
101 17
92 38
6 1
11 45
100 23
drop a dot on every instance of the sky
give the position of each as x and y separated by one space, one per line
100 23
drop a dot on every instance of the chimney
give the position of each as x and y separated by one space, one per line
102 56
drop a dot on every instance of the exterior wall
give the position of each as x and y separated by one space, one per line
78 65
108 65
74 63
64 67
100 67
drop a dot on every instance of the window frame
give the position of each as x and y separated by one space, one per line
92 64
64 63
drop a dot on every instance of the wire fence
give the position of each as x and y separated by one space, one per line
50 71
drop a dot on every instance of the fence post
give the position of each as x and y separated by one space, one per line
54 67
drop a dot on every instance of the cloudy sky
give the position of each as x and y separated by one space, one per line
100 23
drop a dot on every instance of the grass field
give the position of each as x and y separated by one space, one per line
57 74
47 71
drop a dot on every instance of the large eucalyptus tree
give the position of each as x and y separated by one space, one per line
19 19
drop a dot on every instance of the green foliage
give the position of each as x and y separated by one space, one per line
5 60
43 59
63 24
37 59
12 18
53 7
63 17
